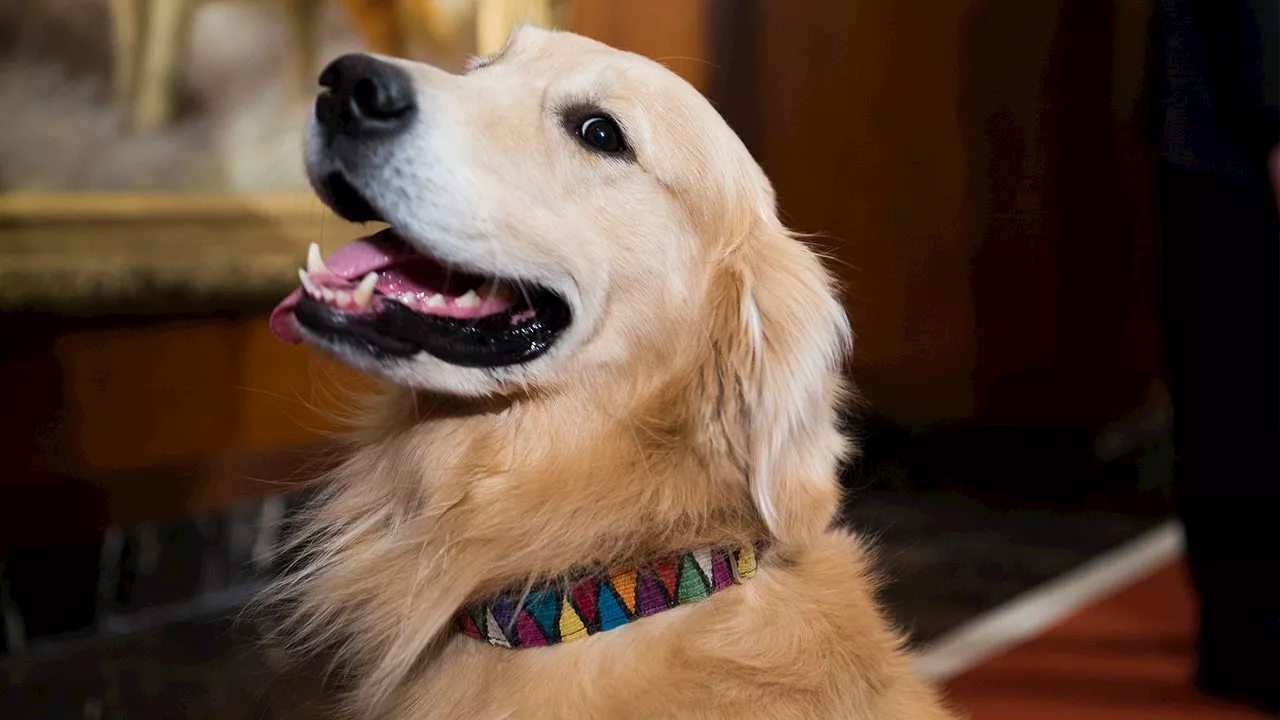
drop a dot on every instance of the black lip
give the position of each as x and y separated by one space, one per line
350 204
395 331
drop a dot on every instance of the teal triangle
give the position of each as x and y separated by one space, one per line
611 612
544 606
478 616
691 585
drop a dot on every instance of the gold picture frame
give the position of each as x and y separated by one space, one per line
90 255
102 252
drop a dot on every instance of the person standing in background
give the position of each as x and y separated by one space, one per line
1219 184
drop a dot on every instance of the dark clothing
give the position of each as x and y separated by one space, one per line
1220 267
1220 277
1220 90
1221 305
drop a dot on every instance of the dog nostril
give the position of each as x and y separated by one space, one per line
329 112
364 96
373 102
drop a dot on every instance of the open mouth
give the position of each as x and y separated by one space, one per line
387 298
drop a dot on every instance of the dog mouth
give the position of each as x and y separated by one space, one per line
384 296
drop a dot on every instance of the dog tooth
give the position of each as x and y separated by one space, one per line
343 297
315 263
327 294
306 283
436 301
363 294
408 298
468 300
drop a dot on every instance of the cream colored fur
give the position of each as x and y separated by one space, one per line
693 402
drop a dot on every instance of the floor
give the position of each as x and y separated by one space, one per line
1125 655
950 557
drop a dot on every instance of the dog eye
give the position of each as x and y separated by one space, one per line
601 133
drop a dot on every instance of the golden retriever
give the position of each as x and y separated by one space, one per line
604 350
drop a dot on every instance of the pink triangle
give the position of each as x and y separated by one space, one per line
468 625
584 599
527 630
723 577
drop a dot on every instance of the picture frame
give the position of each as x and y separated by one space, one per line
154 162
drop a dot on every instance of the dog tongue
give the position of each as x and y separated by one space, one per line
349 262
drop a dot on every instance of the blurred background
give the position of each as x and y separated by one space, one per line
980 170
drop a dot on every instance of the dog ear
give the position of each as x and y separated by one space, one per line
780 338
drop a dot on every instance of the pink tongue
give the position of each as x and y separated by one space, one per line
282 322
349 262
368 254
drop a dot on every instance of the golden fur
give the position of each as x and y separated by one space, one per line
694 403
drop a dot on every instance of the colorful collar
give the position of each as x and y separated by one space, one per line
551 614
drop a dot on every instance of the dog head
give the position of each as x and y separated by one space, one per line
566 212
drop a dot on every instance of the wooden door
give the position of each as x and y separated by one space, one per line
976 168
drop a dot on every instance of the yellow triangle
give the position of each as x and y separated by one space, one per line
571 625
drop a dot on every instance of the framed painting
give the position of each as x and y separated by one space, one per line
152 149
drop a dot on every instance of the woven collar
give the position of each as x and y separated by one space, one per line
553 614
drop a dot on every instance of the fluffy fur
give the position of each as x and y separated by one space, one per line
693 402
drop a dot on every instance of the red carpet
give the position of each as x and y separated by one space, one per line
1126 657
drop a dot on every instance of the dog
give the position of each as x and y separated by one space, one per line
602 480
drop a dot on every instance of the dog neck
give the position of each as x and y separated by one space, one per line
445 502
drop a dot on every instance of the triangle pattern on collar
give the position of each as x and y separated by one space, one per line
597 602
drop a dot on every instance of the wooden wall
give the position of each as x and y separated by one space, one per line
125 420
976 168
674 32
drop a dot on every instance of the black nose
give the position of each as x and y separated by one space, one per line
364 96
